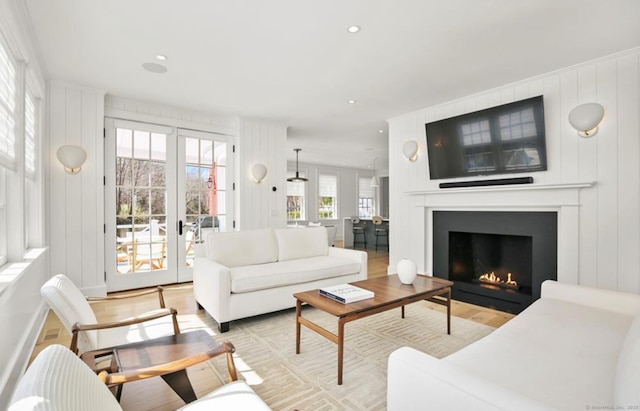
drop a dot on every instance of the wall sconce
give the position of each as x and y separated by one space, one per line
258 172
585 118
410 150
72 158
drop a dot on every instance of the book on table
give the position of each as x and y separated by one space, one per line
346 293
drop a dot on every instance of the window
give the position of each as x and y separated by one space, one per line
366 196
327 197
7 109
7 140
3 216
30 136
295 198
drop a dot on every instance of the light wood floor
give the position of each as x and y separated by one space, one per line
180 296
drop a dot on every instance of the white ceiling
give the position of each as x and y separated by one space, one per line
293 61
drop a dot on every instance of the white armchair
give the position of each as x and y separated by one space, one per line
57 380
75 313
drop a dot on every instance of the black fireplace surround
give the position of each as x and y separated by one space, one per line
467 244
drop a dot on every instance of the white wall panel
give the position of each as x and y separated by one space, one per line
605 161
75 201
258 205
628 120
604 230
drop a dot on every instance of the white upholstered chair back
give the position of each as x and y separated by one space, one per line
57 380
66 300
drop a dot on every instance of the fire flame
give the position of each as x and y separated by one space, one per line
493 278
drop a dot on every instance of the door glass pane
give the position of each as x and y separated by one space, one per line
205 189
140 201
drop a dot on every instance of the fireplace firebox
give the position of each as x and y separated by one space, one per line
495 259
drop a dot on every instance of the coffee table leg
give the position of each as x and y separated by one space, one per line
448 310
298 313
340 349
179 382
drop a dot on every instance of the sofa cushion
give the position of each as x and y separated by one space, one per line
282 273
240 248
294 243
627 376
559 353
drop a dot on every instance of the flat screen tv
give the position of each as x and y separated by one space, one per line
498 140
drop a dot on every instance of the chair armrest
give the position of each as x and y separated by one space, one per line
415 378
159 290
148 316
142 373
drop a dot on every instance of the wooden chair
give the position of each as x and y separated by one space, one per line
75 313
57 380
151 254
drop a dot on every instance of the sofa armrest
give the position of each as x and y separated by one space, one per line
616 301
212 287
417 381
356 255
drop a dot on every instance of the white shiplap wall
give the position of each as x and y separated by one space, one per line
609 213
75 202
258 206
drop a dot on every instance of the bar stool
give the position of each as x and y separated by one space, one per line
380 231
358 229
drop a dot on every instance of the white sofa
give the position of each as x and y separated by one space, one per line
240 274
575 348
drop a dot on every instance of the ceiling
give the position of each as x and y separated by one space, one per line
294 63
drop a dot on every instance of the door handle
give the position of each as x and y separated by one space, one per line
180 225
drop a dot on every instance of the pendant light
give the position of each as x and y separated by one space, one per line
374 179
297 178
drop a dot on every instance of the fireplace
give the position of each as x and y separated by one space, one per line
495 259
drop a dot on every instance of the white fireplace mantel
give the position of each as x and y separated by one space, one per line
563 198
505 196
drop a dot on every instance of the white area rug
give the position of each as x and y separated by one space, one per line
266 359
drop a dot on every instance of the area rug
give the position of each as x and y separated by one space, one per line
266 359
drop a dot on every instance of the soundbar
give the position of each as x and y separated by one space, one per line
497 182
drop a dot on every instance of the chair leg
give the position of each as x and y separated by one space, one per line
179 382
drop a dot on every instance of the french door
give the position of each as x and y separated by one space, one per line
165 189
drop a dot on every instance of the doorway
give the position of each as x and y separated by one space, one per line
165 189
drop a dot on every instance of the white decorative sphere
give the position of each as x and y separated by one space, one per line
407 271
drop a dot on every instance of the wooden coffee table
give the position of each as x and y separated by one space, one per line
389 293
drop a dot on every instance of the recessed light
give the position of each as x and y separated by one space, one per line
380 131
154 68
352 102
161 57
353 29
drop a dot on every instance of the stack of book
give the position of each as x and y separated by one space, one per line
346 293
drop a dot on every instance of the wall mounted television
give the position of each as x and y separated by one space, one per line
499 140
